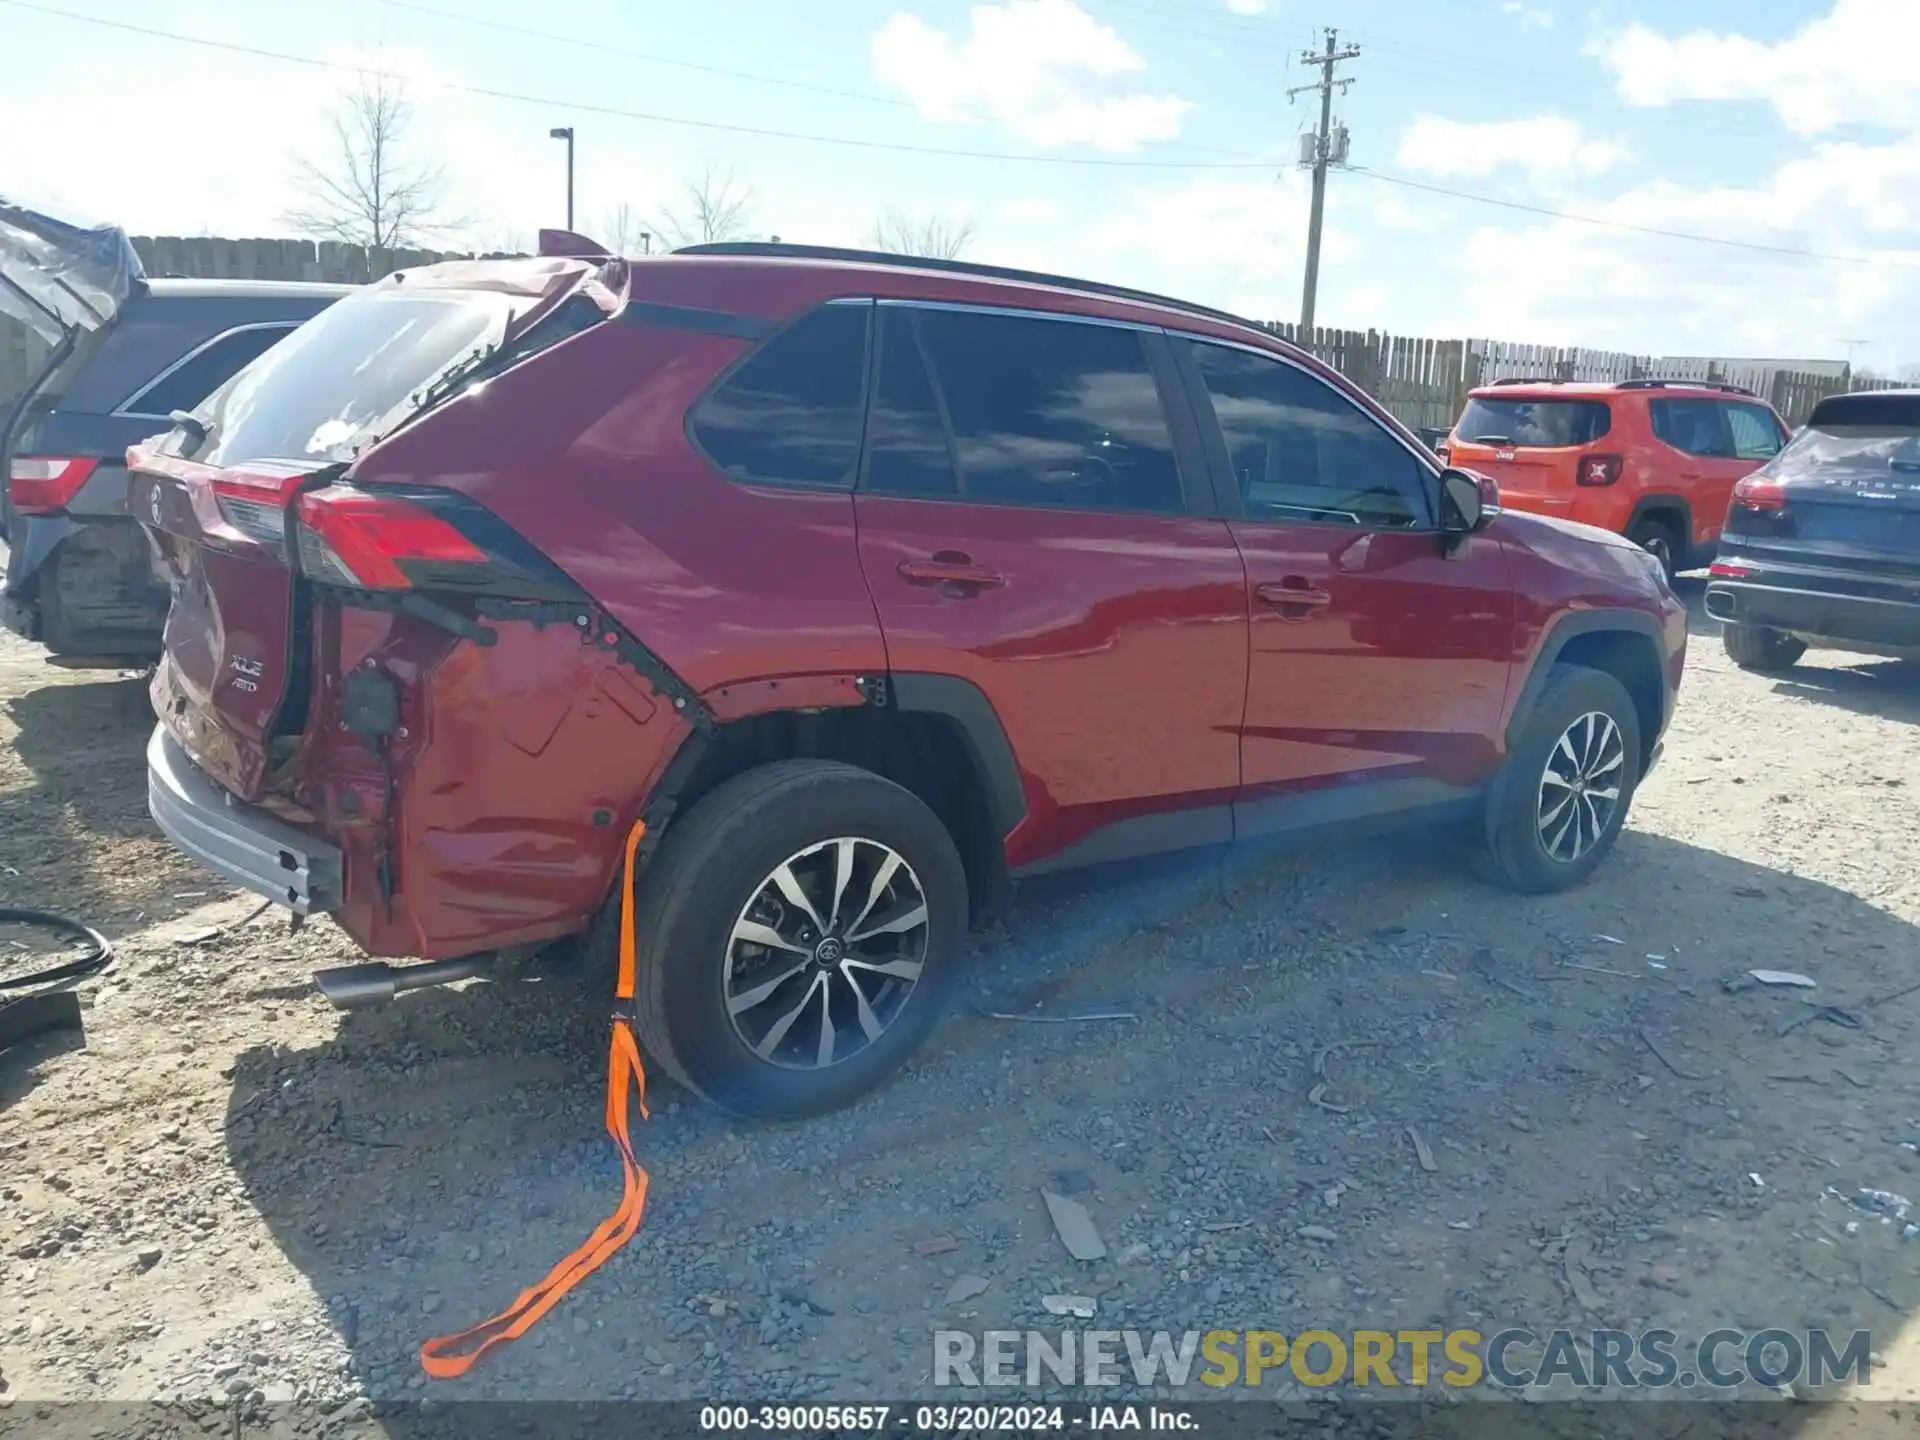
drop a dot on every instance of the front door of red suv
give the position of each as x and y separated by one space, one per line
1379 665
1022 522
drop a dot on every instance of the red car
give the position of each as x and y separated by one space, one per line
872 584
1653 460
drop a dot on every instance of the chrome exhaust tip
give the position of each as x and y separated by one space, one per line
358 987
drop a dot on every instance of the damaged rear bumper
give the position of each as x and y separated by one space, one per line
238 841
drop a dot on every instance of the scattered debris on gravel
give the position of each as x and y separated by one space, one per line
1354 1088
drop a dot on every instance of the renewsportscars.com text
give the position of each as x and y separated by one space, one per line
1511 1359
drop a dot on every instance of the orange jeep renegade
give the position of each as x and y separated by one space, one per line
1654 460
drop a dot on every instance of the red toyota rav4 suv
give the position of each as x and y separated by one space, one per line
870 584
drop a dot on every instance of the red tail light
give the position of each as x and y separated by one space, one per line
1598 470
418 537
1727 571
256 504
1758 492
37 484
376 542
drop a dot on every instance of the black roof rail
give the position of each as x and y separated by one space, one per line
1528 380
1719 385
967 267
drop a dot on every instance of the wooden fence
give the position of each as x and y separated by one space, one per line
1424 382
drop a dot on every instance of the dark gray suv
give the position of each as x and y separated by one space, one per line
128 352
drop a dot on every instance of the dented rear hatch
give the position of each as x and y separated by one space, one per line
246 499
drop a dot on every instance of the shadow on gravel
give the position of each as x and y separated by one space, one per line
1886 689
85 745
1293 1018
1700 625
76 834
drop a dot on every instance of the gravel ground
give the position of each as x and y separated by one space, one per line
231 1190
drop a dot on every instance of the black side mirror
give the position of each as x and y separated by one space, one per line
1469 503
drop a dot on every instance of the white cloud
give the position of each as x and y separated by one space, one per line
1248 7
1854 64
1532 17
1563 282
1235 242
1418 216
1046 70
1551 148
504 176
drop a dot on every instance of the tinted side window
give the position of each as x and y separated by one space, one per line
1755 436
1300 451
203 373
1052 412
907 450
791 414
1694 426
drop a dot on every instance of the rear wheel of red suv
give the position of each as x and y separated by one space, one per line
798 933
1562 798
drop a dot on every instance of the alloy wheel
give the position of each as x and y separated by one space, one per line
1580 787
825 953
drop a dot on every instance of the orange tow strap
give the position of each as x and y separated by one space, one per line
448 1356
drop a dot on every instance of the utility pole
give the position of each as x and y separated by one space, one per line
565 132
1318 151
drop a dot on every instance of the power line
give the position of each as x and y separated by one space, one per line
1626 225
651 117
1250 162
606 48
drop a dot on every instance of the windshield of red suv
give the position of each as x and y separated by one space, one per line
1534 423
328 389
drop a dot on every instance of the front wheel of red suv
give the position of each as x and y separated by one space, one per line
1561 800
798 933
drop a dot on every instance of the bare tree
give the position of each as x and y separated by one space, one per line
1910 373
715 205
934 236
624 232
368 190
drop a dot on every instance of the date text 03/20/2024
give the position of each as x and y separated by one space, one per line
942 1419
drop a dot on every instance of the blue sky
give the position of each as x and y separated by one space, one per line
1143 141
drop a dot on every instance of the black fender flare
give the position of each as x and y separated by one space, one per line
973 715
1570 627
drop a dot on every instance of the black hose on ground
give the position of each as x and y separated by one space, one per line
50 1008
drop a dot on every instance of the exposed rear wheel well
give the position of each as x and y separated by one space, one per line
1632 660
922 752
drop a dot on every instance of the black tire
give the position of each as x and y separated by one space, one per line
1659 540
1762 649
709 867
1517 854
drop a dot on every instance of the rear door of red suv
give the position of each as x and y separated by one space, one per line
1032 519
